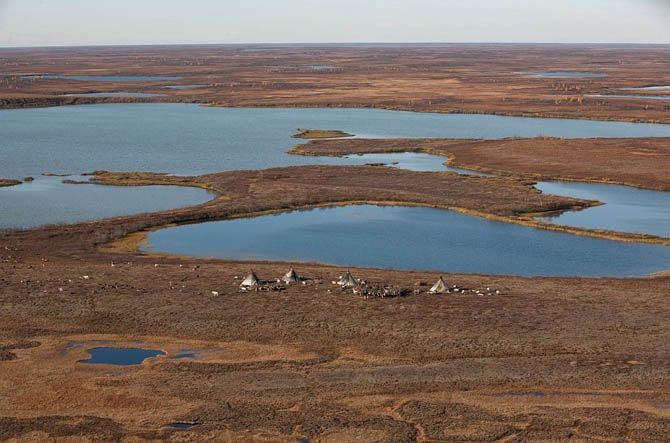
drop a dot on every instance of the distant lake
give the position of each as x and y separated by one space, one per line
113 94
567 74
410 238
637 97
321 67
100 78
648 88
178 87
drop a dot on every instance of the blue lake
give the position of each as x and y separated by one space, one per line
409 238
114 94
48 201
649 88
178 87
120 356
191 139
567 74
638 97
627 209
101 78
322 67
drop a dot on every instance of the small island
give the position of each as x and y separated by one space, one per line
312 134
5 182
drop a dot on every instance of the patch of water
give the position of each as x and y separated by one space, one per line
626 209
567 74
410 238
182 426
47 200
120 356
648 88
101 78
178 87
638 97
189 139
114 94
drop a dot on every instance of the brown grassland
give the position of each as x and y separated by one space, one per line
547 359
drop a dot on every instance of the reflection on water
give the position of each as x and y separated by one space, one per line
410 238
49 201
627 209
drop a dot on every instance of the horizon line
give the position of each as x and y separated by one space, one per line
334 44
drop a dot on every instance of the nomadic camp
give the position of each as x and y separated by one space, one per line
251 281
347 281
291 277
440 287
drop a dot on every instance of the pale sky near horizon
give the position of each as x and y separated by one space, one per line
81 22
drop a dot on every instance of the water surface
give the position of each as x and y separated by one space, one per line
410 238
649 88
641 97
178 87
321 67
626 209
101 78
567 74
114 94
48 201
190 139
120 356
412 161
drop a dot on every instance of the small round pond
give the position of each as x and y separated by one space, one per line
120 356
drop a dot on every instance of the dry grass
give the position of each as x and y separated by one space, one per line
8 182
641 162
456 78
312 134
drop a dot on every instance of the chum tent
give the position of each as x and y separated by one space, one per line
251 281
348 281
440 287
291 277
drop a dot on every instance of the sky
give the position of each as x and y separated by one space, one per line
98 22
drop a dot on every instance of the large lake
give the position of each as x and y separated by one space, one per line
191 139
410 238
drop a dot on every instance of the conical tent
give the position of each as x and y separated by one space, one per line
291 277
251 280
347 281
440 287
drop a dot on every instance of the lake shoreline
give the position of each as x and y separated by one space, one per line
538 153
